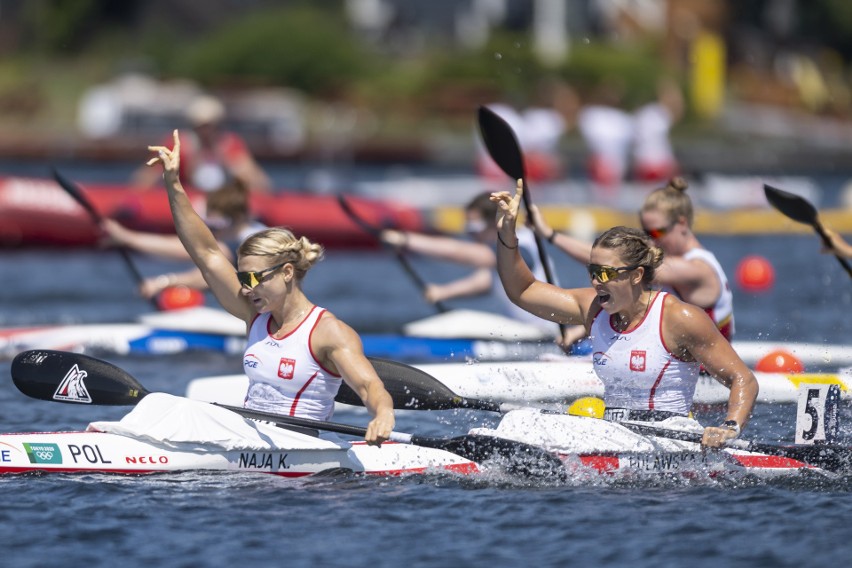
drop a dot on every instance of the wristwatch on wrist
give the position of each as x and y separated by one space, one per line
732 425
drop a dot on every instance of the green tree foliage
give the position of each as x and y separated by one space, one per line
303 48
57 27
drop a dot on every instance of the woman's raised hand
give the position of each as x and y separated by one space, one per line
508 205
169 158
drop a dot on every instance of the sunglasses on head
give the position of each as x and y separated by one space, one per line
606 273
251 278
658 233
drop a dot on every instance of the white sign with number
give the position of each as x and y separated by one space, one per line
816 416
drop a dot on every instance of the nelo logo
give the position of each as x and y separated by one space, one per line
286 368
637 361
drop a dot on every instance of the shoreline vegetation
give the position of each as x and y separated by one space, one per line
388 100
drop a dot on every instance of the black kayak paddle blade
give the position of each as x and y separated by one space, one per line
791 205
501 143
73 378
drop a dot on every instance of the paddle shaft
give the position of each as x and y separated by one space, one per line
77 194
503 147
400 256
347 429
539 242
516 457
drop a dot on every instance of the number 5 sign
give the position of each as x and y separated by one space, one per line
816 416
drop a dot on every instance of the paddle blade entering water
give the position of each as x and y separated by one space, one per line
73 378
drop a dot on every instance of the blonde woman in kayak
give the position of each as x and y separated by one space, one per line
647 344
298 353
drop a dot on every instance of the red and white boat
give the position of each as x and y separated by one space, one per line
169 434
38 212
166 433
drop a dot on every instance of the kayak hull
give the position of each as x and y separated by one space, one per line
102 452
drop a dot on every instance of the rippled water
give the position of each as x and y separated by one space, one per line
204 519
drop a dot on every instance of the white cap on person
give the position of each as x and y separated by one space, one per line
205 110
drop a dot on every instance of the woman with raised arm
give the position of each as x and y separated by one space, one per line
297 352
689 270
647 344
230 220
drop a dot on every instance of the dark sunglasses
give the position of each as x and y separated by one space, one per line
658 233
606 273
250 278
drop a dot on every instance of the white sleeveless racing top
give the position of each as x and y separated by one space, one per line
637 369
284 376
722 311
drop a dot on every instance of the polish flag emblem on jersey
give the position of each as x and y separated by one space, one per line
286 368
637 361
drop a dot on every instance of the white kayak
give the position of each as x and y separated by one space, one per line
540 381
164 433
168 434
599 446
158 333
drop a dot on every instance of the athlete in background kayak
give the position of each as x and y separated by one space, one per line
211 155
227 214
297 352
480 225
647 345
689 270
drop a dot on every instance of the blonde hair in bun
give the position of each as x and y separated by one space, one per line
672 201
281 245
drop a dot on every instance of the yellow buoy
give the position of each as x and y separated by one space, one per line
590 406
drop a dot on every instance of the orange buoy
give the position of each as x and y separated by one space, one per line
780 361
177 297
755 274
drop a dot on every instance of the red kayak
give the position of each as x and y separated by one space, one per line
38 212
